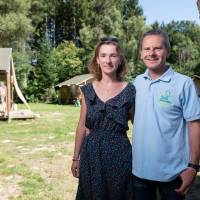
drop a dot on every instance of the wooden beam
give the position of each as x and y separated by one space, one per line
8 93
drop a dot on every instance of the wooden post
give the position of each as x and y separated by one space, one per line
11 85
8 93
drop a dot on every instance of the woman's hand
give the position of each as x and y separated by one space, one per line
75 168
87 131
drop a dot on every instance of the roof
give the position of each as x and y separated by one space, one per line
195 76
5 58
77 80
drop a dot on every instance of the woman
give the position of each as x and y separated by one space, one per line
104 154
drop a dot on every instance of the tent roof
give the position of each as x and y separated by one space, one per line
5 58
196 76
77 80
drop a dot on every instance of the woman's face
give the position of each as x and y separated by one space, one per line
108 59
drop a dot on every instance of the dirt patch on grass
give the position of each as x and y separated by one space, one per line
56 173
9 187
55 170
39 148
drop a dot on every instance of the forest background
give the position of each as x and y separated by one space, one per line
54 40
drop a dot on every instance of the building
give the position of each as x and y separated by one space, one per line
70 90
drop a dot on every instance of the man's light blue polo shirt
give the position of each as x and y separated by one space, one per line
160 133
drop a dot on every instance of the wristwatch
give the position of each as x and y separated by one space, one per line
194 166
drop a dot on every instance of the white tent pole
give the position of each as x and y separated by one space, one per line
19 93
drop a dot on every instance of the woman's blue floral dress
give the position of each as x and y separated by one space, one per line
106 158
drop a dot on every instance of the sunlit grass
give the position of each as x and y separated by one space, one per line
37 151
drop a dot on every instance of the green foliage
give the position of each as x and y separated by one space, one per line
22 67
13 6
53 41
185 50
15 30
135 69
68 60
133 29
15 26
51 66
185 54
113 18
43 74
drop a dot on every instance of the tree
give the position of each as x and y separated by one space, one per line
15 30
122 19
68 60
43 74
184 38
15 26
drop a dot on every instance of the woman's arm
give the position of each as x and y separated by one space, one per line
80 135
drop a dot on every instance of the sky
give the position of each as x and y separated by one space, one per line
168 10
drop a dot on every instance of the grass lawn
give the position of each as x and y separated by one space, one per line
35 156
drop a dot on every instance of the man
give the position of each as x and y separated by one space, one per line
166 133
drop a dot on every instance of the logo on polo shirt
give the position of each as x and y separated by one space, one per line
165 98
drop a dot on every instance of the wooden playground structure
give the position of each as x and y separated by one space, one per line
8 83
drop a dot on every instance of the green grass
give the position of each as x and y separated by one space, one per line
39 151
35 155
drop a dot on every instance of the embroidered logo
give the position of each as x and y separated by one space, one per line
165 98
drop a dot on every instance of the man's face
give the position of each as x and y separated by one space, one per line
154 52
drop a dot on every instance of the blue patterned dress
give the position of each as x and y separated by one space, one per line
106 158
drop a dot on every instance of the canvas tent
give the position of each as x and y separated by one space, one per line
70 90
8 84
